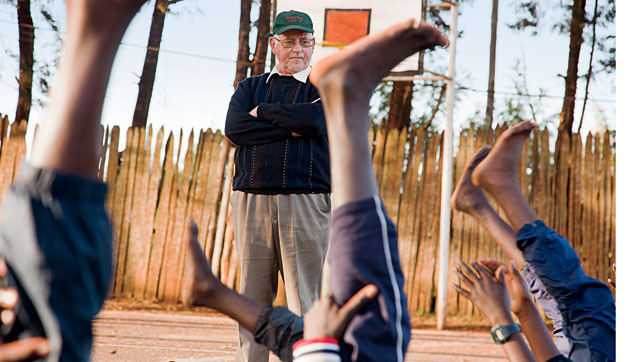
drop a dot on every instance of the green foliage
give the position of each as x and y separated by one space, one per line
534 15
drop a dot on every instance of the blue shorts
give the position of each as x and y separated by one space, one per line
363 250
57 243
586 305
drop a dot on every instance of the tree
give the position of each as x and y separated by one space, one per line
400 105
578 19
146 83
529 17
26 40
490 101
243 55
263 28
401 94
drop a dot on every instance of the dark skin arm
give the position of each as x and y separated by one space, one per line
490 295
523 306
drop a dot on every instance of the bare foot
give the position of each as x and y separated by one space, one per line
468 197
199 282
357 69
499 168
103 16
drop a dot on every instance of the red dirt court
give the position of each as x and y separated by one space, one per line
149 332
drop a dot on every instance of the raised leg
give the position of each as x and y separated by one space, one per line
56 236
497 174
363 242
472 200
69 140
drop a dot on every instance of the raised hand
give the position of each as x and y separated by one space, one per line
520 296
487 292
327 319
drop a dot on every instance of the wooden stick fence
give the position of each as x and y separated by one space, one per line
152 196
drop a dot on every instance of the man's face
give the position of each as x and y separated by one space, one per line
295 59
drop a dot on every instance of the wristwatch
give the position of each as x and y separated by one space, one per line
502 333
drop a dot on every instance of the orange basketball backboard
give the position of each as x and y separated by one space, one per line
344 26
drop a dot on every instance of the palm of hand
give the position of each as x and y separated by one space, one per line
518 291
487 292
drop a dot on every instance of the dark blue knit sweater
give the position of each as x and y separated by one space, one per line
268 158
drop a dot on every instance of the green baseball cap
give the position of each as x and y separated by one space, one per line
288 20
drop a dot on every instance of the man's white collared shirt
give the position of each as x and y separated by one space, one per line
301 76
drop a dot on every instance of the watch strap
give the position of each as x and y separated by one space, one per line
502 333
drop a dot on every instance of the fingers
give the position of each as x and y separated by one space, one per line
359 300
7 316
467 270
193 229
500 275
611 282
8 298
3 268
462 291
501 270
483 273
463 278
490 264
24 350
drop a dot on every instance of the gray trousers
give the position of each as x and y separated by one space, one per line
287 233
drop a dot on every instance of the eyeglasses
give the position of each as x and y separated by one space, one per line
289 43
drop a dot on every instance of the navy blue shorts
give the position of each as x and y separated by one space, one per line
586 305
363 250
57 242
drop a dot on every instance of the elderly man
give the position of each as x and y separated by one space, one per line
281 199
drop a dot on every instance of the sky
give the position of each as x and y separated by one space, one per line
196 66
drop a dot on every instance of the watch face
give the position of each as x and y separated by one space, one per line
501 333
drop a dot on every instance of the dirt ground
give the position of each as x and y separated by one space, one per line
142 331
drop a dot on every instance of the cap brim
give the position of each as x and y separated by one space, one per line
290 27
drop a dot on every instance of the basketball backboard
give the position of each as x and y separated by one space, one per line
338 23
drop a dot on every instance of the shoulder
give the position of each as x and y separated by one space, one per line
253 82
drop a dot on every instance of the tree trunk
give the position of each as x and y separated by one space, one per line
436 109
400 105
589 74
490 101
146 83
258 62
577 26
243 56
26 39
563 144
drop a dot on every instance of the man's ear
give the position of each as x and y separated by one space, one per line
272 41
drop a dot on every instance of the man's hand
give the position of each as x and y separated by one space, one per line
520 296
327 319
487 292
255 113
23 350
